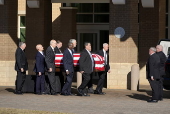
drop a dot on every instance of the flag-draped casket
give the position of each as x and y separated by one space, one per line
98 60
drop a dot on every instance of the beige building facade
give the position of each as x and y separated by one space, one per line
129 26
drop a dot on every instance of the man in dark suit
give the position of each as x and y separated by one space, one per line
86 63
58 46
40 70
163 59
58 75
69 69
153 74
103 74
21 66
50 62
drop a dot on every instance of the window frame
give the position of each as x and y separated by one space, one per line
93 16
19 26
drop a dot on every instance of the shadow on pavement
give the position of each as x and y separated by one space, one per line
139 97
10 90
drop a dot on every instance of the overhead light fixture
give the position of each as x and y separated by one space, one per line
1 2
33 3
147 3
118 2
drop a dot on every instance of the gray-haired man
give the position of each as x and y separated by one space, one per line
74 44
153 74
163 59
21 66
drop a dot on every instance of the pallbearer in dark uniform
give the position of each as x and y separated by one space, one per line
40 70
102 74
163 59
86 64
69 69
21 66
58 75
50 62
153 74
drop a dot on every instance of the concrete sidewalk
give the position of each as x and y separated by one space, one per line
114 102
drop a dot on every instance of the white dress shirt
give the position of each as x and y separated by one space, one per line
105 56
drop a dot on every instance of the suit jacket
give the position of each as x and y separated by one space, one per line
50 58
85 62
57 51
68 61
153 67
40 63
101 53
162 62
20 60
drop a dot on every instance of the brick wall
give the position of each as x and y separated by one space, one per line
8 41
68 25
39 29
151 30
123 52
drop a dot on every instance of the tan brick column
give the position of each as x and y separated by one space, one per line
56 20
68 24
38 29
151 29
123 52
8 42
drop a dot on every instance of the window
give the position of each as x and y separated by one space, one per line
92 12
21 28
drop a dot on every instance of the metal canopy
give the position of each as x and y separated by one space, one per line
1 2
80 1
147 3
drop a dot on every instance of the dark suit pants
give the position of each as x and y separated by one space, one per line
155 88
67 86
86 79
101 81
40 83
52 81
58 81
161 87
20 79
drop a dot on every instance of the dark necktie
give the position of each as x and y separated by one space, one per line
105 57
59 50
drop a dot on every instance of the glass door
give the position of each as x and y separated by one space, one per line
93 38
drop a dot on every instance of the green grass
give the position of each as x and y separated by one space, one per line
23 111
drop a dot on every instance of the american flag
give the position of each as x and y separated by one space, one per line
99 61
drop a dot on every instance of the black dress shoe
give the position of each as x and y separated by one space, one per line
99 93
152 101
43 93
80 92
64 94
90 90
54 93
96 92
102 93
161 99
70 94
85 94
19 93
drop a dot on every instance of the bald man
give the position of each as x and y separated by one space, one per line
40 70
163 59
50 62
